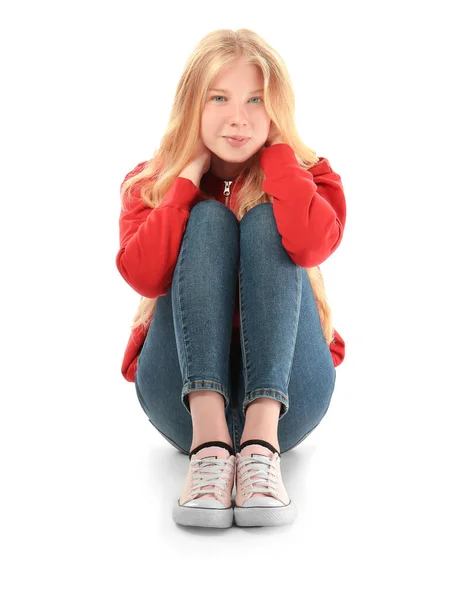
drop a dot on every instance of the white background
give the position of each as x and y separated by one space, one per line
88 484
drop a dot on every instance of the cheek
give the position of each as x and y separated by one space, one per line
208 123
263 124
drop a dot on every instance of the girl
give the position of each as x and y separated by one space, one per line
222 232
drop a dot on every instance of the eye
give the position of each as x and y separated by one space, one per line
255 97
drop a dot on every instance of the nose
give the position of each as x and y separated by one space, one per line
238 113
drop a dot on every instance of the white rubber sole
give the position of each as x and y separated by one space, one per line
195 516
265 516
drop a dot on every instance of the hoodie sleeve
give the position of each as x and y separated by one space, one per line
150 238
309 206
337 349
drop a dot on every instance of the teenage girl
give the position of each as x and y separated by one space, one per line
232 349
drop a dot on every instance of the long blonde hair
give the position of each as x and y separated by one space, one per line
214 52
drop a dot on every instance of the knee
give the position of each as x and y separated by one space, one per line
215 217
211 209
264 210
259 218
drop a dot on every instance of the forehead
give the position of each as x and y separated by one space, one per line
225 91
238 76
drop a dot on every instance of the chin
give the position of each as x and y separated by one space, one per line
236 155
234 159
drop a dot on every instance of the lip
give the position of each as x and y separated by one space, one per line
239 138
235 143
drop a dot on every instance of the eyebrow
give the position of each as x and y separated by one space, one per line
227 91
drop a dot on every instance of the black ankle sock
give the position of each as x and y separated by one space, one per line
261 442
207 444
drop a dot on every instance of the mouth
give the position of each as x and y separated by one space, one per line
238 138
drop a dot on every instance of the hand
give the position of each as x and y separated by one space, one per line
274 136
201 156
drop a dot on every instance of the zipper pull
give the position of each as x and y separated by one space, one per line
227 191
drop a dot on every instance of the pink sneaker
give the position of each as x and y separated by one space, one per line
206 498
261 498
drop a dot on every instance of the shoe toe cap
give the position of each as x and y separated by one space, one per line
204 503
264 501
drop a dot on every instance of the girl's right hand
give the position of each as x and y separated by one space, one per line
201 157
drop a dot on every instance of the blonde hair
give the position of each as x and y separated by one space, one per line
214 52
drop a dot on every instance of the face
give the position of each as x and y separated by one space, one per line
237 111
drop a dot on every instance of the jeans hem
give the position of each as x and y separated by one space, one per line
267 393
203 384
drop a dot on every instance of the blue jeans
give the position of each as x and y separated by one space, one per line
282 353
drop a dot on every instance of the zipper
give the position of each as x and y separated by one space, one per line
227 191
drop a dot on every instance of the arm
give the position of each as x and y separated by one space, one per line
309 206
150 238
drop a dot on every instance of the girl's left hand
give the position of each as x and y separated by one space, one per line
275 137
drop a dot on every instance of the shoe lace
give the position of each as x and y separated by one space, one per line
210 472
264 472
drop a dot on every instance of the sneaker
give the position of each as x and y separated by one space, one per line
261 498
206 498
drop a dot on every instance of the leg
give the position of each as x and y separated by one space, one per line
270 290
284 353
204 286
158 381
187 345
261 421
208 418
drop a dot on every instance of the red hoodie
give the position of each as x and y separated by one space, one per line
309 208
